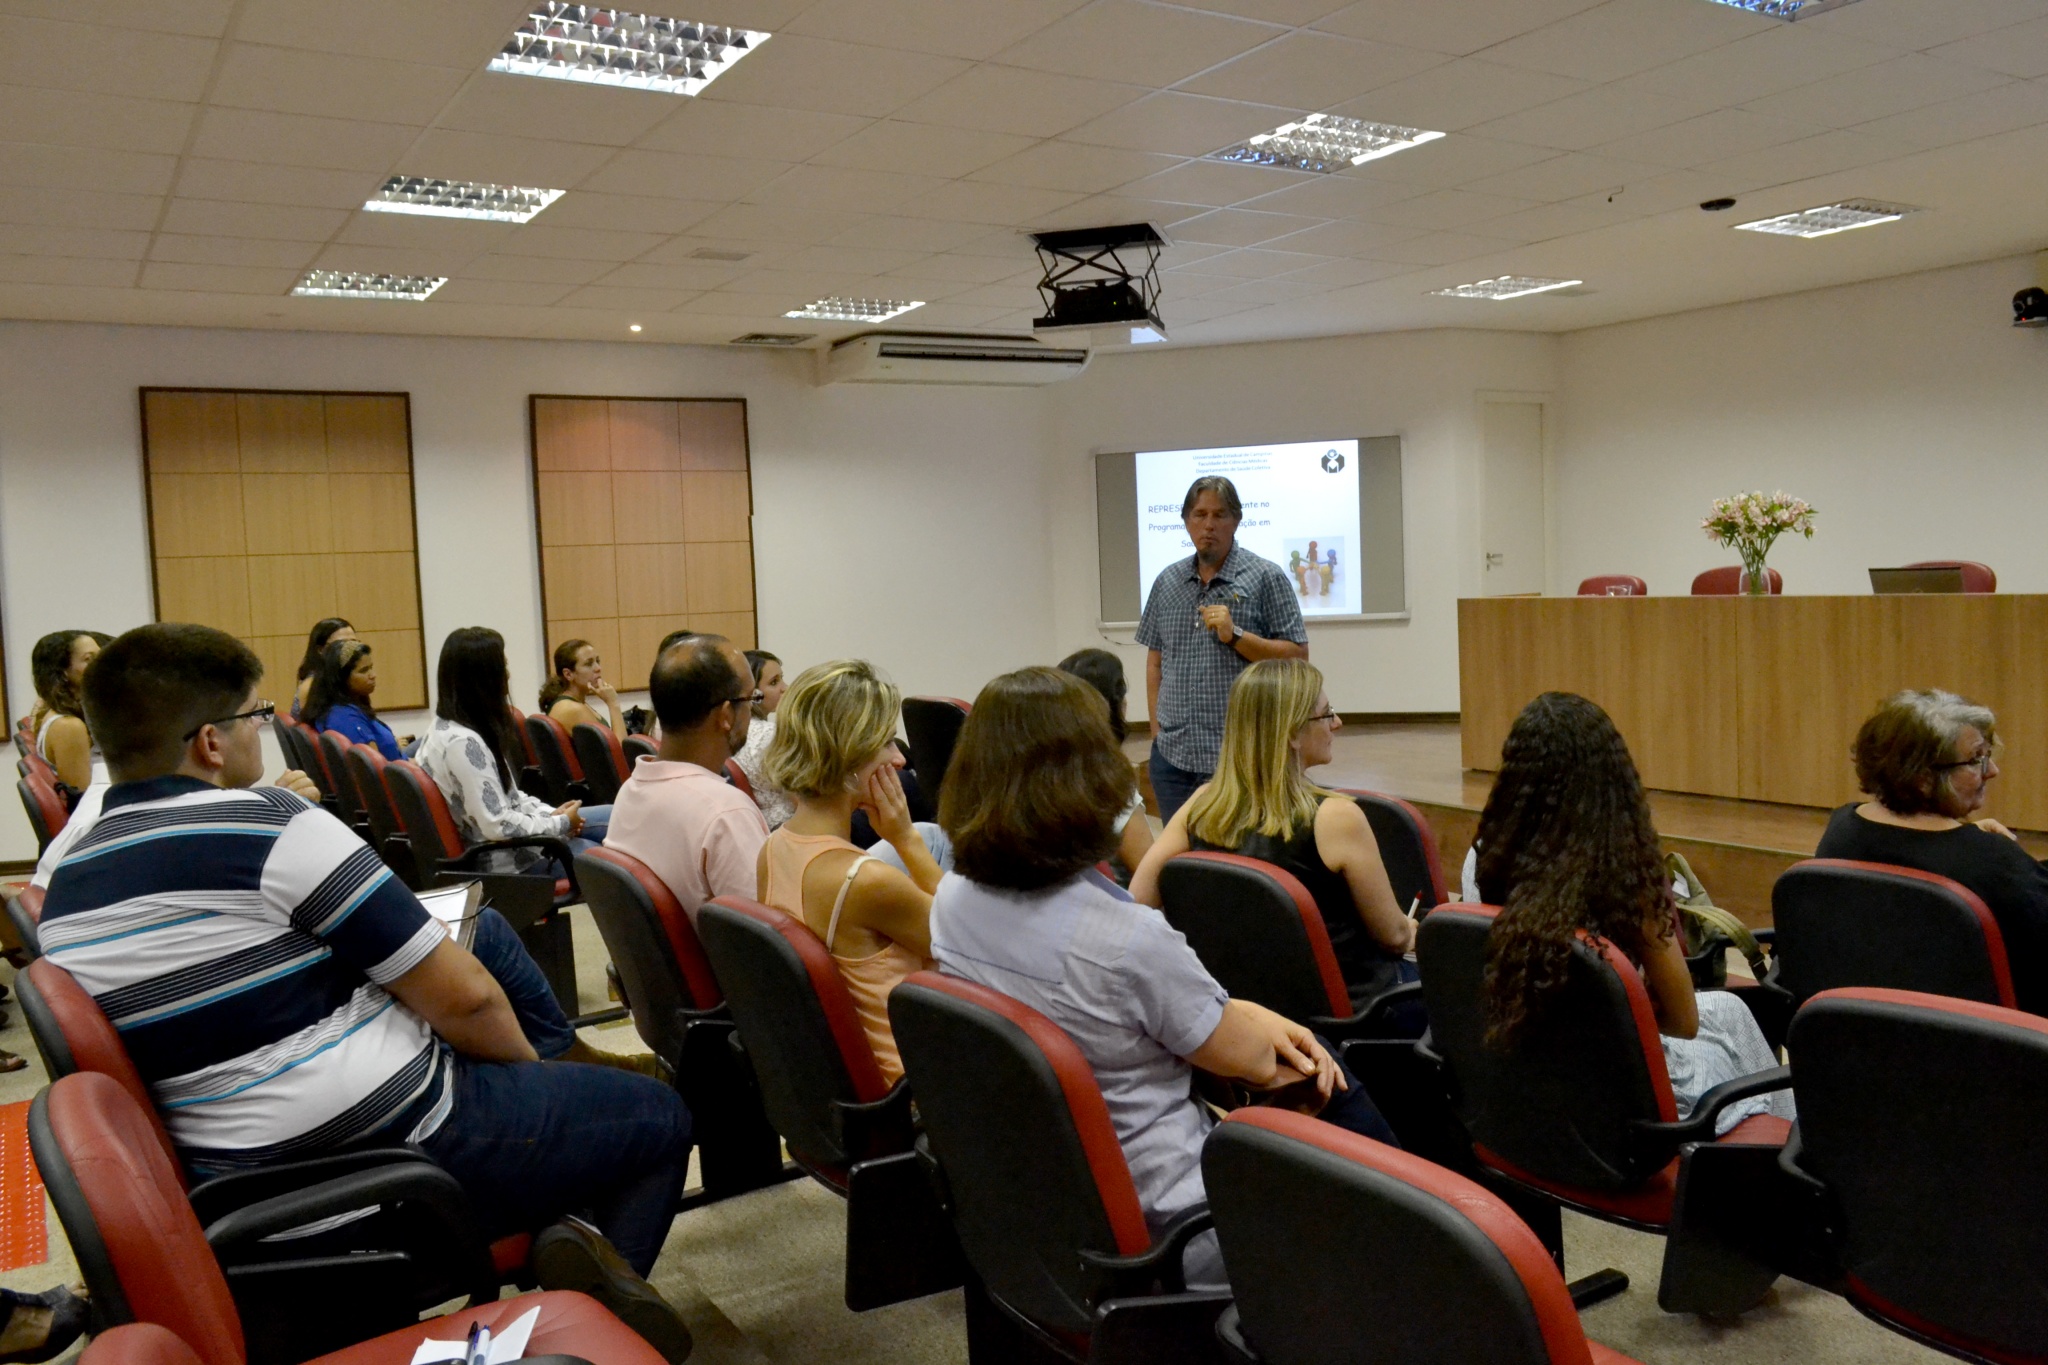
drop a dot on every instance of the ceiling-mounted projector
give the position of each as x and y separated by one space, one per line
2030 308
1104 280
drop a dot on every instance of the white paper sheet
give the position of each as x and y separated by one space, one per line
450 905
506 1346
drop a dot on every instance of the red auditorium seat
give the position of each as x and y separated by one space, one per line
603 760
1976 577
1727 582
1603 585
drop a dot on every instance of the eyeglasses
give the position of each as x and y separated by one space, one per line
1320 715
1982 763
264 711
751 699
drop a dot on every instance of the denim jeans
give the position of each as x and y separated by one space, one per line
597 822
531 1141
1172 786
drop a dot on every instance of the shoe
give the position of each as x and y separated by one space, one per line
574 1255
20 1337
643 1063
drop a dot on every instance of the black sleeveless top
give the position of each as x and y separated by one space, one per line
1368 968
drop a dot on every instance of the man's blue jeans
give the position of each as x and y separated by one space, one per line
531 1141
1172 786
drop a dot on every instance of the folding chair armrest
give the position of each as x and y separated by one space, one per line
1700 1126
1157 1269
882 1128
556 848
215 1198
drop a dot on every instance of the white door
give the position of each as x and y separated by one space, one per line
1512 517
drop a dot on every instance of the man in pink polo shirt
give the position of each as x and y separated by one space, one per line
700 834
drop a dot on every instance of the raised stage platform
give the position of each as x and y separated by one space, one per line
1738 848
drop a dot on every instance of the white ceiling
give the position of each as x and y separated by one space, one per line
185 161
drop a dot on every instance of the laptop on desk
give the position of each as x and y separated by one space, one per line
1888 581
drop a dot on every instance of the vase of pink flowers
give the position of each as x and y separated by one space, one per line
1749 522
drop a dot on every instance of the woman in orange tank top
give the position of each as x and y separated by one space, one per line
835 752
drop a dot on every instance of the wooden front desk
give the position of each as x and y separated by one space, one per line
1759 698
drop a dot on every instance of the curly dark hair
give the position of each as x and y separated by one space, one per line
1565 843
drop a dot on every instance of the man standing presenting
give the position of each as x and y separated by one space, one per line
1209 617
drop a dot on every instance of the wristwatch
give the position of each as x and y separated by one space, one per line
1236 632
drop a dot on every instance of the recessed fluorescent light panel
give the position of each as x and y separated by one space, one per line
1324 143
460 199
602 46
836 309
1505 287
1787 10
339 284
1829 219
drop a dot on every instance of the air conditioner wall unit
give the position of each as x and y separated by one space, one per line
947 358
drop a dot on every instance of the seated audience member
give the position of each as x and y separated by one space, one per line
1925 760
1030 802
58 666
1566 844
472 754
1260 803
340 698
288 944
677 813
1104 672
835 752
579 676
753 758
323 634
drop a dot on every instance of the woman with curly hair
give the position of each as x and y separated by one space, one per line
1566 845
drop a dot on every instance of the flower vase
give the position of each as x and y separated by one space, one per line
1756 579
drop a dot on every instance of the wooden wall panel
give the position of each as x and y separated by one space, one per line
269 511
643 509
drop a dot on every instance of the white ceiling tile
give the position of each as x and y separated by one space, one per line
1075 166
1127 40
778 223
514 293
1240 227
974 29
908 234
119 61
1449 209
293 140
1346 238
218 279
1588 119
693 276
1312 71
2019 50
254 182
838 78
950 268
837 187
2022 104
247 251
1008 99
595 244
1180 125
922 149
85 168
1623 37
798 286
676 175
751 130
1106 210
1267 291
493 159
561 111
1336 196
1912 24
1662 193
1565 177
969 201
1214 183
1873 92
849 260
1015 294
958 315
1344 274
1458 95
278 222
627 212
552 271
1252 263
70 118
1453 28
1441 248
1711 137
1453 160
467 237
456 35
79 208
1809 157
197 18
28 239
1548 221
283 81
1780 57
58 270
391 260
638 300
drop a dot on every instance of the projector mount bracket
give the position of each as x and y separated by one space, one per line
1100 277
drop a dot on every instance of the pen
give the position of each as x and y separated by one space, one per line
1414 905
479 1345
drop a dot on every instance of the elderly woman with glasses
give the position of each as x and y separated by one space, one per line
1926 760
1260 803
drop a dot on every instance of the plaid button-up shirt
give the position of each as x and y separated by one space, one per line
1197 669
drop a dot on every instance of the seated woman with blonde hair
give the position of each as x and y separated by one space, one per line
1261 804
835 752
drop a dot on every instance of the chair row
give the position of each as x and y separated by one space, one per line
1729 580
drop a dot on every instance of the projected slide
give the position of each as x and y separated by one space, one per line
1301 511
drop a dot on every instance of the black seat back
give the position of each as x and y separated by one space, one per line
1031 1162
1560 1102
932 725
1842 923
1408 848
1258 931
1923 1116
602 760
334 756
798 1025
663 971
560 772
1334 1240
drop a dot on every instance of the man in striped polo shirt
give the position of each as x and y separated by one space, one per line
284 995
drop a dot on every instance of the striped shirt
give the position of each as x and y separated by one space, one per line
240 941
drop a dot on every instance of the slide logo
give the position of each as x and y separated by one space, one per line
1333 462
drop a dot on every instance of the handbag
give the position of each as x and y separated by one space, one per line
1709 930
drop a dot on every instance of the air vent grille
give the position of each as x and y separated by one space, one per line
772 339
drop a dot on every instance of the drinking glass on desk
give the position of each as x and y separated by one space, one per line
1620 590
